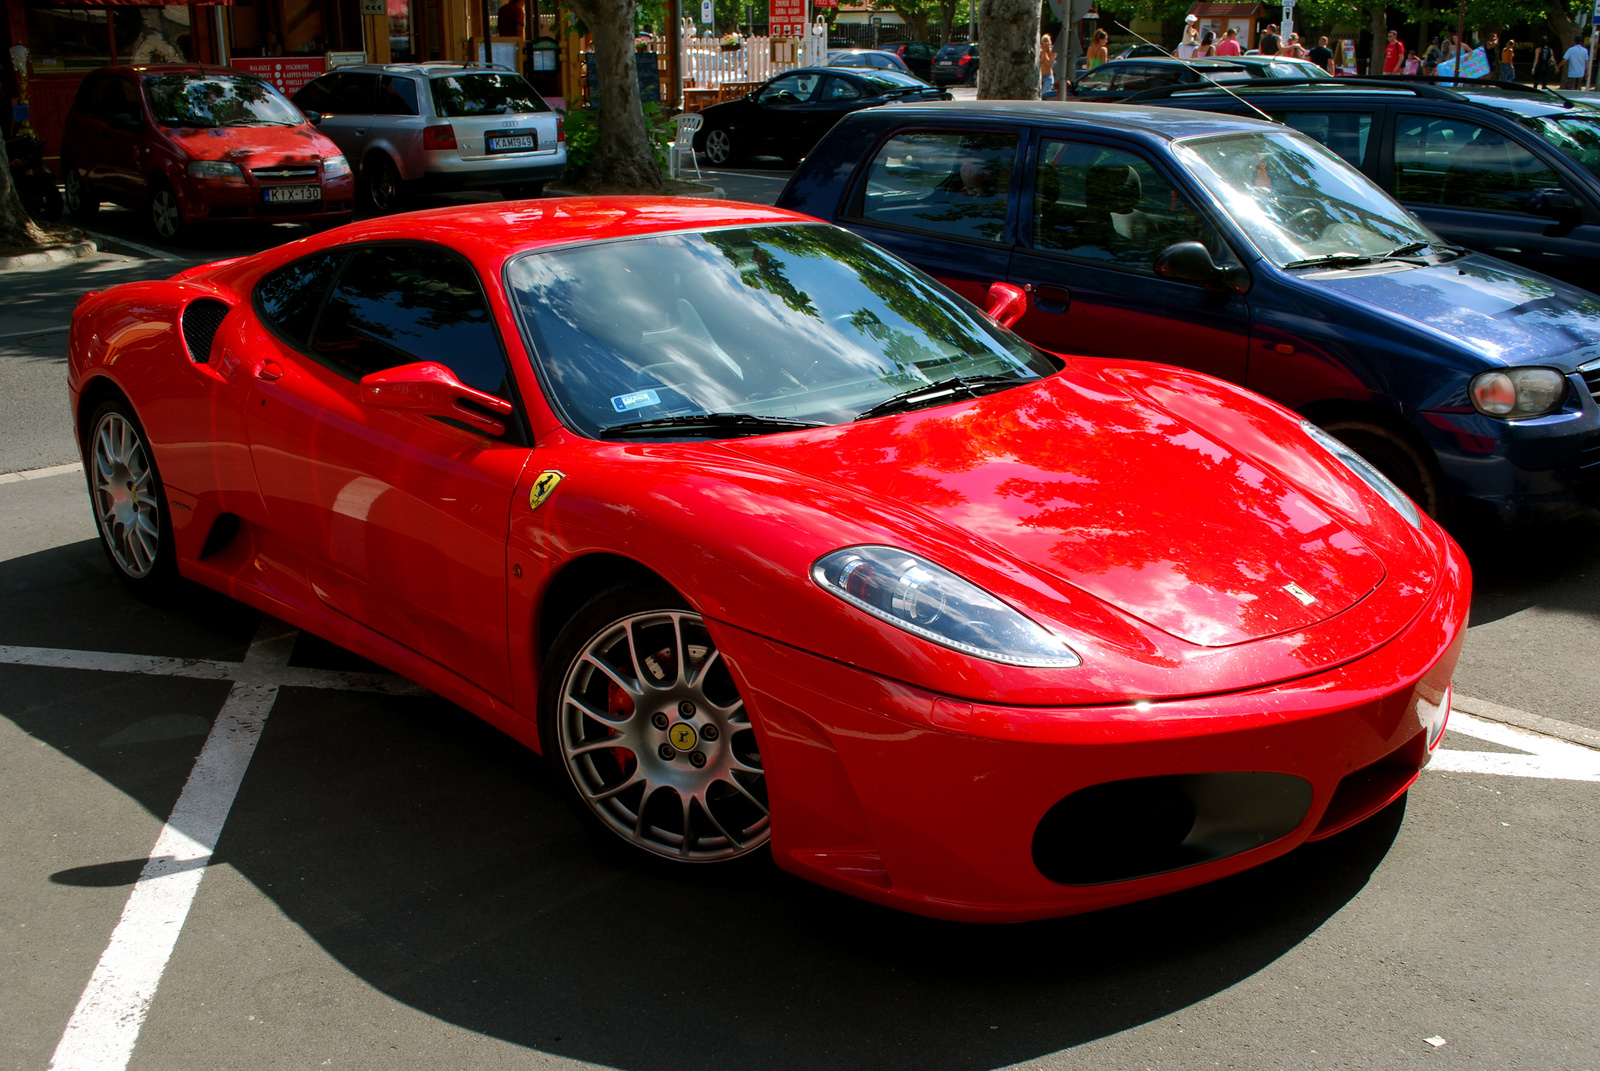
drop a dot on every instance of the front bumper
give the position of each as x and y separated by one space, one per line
938 806
205 201
1522 471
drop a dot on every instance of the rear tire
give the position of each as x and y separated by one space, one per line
1407 466
79 201
129 500
382 188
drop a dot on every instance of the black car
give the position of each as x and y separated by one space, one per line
956 63
788 114
1120 79
1506 170
918 55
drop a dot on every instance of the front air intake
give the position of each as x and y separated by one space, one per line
200 322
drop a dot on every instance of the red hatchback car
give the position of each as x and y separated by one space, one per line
192 145
769 542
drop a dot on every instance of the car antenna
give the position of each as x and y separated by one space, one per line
1202 74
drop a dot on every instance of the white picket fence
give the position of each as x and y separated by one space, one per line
706 64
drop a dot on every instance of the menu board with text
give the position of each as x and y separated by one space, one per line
285 73
786 18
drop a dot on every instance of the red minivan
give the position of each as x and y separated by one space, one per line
191 144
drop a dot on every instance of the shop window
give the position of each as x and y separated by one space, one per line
67 39
147 35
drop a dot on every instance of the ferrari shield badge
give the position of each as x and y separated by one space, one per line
543 487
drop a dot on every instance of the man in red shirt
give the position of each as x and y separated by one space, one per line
1394 56
1230 43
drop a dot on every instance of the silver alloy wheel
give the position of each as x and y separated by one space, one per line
164 213
385 189
74 190
663 755
125 502
719 146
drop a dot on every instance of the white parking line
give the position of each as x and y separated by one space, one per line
1546 758
41 474
159 254
39 331
104 1027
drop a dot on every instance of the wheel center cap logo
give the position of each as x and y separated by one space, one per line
683 737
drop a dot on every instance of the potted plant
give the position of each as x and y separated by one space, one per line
731 42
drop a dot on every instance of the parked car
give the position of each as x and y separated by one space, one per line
956 63
872 58
1246 250
1505 170
1120 79
786 115
429 127
917 55
190 144
774 547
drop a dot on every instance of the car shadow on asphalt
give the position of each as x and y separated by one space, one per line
1554 567
426 852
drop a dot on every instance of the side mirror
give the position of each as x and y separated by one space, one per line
433 390
1190 262
130 123
1552 201
314 118
1006 303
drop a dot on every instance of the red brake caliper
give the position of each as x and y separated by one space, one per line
620 704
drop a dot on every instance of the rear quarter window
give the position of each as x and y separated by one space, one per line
289 299
484 93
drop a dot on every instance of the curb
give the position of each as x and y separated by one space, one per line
47 258
1534 723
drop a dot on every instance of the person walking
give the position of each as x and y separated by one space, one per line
1544 64
1268 45
1229 45
1394 54
1413 64
1098 51
1047 67
1577 66
1322 56
1207 48
1508 62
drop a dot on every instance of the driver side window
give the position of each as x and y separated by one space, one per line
1452 162
1092 202
790 89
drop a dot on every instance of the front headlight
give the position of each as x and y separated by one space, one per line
1369 475
215 170
1518 392
335 166
913 594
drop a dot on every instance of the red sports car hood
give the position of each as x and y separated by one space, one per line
1083 481
254 146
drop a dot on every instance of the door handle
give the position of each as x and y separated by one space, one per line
269 370
361 132
1052 299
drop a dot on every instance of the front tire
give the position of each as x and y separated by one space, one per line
1405 464
719 146
130 501
165 215
644 730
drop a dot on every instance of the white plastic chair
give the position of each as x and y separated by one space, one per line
688 124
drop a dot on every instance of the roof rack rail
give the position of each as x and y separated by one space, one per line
1431 92
1471 83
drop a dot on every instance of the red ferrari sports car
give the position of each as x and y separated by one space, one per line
768 542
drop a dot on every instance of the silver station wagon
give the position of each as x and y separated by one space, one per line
429 127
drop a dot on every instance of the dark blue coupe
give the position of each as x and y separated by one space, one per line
1250 251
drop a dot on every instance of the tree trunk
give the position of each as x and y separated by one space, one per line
623 156
1378 23
1009 33
17 229
1562 25
947 21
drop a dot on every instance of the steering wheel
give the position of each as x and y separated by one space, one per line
1308 222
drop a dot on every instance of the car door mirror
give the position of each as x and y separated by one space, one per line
1006 303
1190 262
314 118
126 121
1552 201
432 389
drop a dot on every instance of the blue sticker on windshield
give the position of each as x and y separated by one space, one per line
639 399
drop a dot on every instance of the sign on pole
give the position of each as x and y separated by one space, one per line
786 18
707 12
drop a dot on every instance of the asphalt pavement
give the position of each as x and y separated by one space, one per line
397 886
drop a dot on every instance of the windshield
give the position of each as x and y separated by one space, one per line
802 322
1576 136
891 80
1296 200
485 93
217 100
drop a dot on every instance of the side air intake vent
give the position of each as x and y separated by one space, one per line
200 322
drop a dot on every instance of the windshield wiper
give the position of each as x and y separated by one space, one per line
1410 249
1350 260
735 423
943 390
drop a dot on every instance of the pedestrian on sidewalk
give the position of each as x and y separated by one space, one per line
1191 37
1413 64
1047 67
1229 45
1508 62
1577 66
1544 64
1098 51
1394 54
1268 45
1322 56
1207 48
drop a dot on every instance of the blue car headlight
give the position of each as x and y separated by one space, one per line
1518 392
924 599
1369 475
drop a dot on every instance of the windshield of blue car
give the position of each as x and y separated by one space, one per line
1577 137
458 96
217 100
1296 200
798 322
